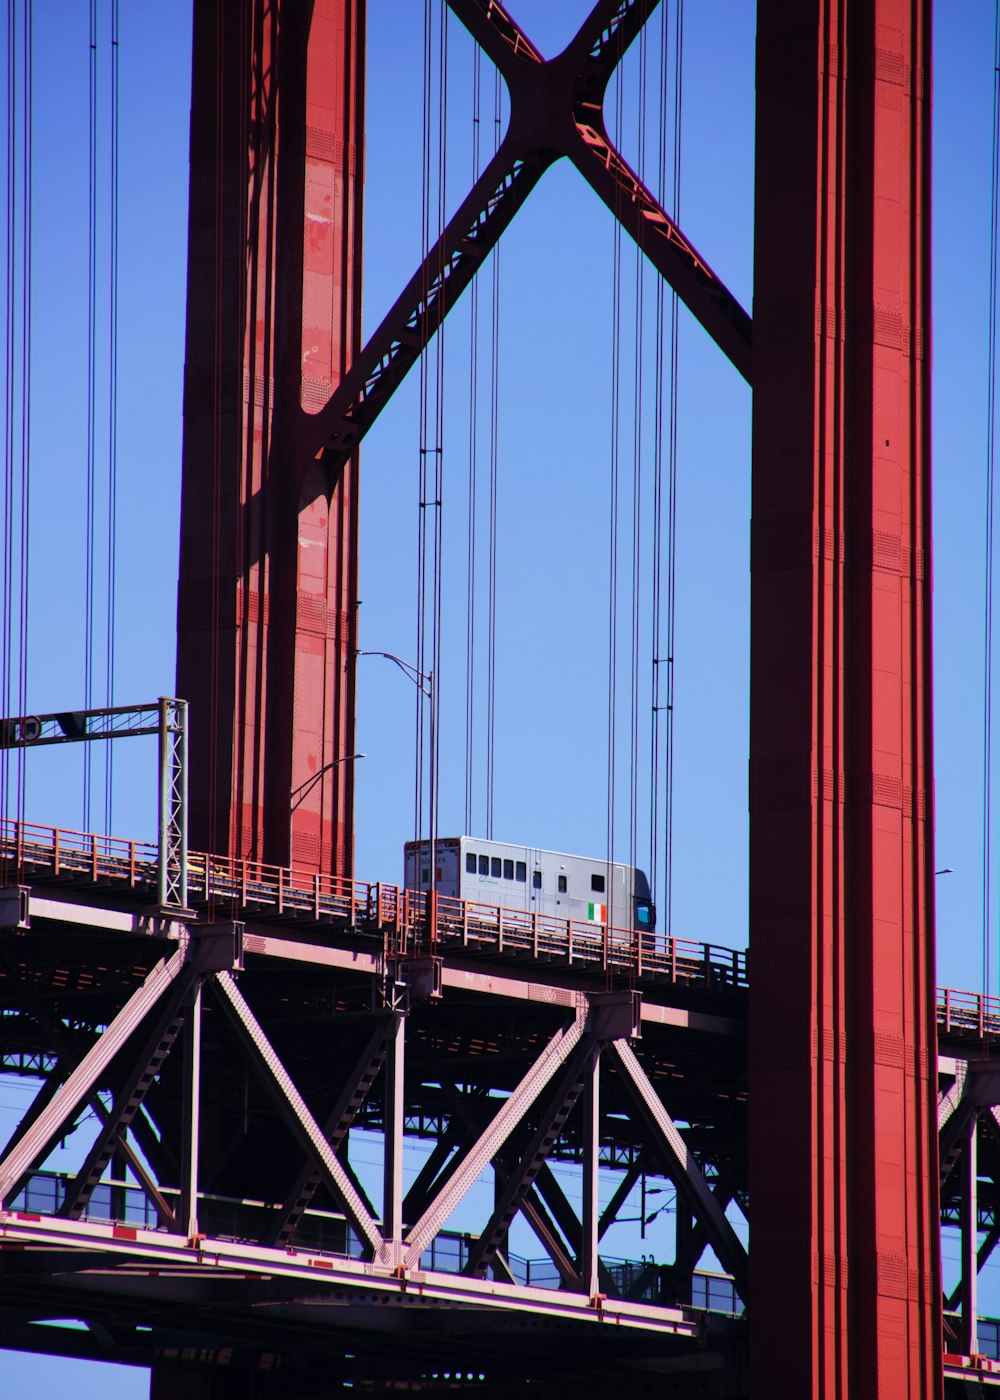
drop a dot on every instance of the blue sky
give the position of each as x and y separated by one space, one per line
553 452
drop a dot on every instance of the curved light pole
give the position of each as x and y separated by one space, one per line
424 681
303 790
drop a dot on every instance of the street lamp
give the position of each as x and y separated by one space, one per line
425 685
304 789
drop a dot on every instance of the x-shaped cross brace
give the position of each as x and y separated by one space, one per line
556 109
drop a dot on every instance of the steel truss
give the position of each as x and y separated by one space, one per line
189 1017
224 1065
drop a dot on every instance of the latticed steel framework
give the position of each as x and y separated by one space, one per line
431 1029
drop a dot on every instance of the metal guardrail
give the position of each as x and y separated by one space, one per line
120 1202
410 922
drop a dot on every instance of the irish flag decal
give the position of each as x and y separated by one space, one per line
597 913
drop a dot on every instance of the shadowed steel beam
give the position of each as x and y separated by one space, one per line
392 1128
589 1223
534 1208
335 1129
296 1113
51 1123
441 1153
522 1178
68 1058
129 1099
493 1137
191 1120
682 1167
622 1193
970 1228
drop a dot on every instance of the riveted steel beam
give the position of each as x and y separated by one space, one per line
295 1112
335 1129
34 1144
568 1088
682 1168
128 1099
494 1135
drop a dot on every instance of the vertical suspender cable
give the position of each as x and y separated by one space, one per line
112 501
665 497
657 510
672 469
470 592
421 590
491 662
990 509
25 491
8 482
91 482
637 451
616 314
434 689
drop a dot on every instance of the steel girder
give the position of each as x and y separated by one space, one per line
194 1094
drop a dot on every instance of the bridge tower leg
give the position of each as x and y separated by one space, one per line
845 1278
268 575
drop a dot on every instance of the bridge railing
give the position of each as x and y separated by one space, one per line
967 1013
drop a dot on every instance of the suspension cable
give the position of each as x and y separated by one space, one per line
112 498
9 342
672 466
990 508
91 476
471 579
491 665
613 503
665 491
637 455
25 491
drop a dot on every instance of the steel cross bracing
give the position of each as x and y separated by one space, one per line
556 110
289 1043
499 1070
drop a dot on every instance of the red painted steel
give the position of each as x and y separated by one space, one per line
845 1280
268 579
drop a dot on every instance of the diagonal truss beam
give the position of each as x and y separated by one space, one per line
493 1137
128 1100
335 1129
535 1207
295 1111
556 111
682 1167
68 1060
522 1179
36 1142
622 1192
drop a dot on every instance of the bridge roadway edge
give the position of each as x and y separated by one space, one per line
693 1040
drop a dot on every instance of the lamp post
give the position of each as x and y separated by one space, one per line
303 790
424 681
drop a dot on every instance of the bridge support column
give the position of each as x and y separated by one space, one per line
267 596
845 1276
